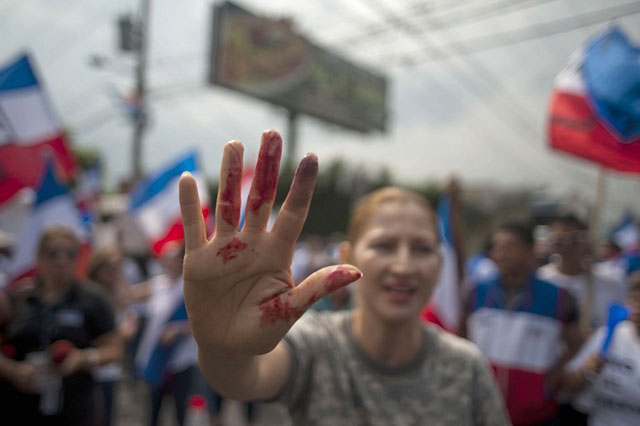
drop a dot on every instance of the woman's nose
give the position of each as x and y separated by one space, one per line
402 262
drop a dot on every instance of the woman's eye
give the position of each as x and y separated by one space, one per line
382 246
423 248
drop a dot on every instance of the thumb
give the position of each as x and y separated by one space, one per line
323 282
290 306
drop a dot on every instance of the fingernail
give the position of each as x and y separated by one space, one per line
308 166
341 276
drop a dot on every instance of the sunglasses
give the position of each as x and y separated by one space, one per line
55 254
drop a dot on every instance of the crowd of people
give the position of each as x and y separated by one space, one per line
255 315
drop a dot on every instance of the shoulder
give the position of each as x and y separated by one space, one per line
548 289
90 291
319 325
92 298
452 348
547 271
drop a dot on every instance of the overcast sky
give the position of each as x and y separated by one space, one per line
480 115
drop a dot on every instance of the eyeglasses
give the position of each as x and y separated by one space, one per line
58 253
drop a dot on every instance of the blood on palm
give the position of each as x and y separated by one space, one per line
230 251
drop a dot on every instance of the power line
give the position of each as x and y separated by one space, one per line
521 35
469 81
451 19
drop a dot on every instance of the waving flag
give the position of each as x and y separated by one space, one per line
444 307
626 234
595 106
154 202
28 126
87 193
54 205
245 187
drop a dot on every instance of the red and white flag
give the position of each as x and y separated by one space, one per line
28 126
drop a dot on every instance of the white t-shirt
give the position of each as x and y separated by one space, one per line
606 290
614 398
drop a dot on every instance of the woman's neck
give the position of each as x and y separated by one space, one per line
388 344
54 290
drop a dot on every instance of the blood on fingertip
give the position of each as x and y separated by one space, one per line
340 277
266 175
230 208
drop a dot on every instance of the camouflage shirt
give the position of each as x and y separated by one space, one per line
334 382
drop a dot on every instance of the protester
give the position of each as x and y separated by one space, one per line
572 270
105 269
522 324
610 383
375 365
167 356
61 331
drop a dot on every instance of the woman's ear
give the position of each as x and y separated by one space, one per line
345 252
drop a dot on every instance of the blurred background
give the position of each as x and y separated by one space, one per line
468 87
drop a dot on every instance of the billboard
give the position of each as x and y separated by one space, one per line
266 58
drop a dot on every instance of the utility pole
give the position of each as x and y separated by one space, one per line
140 118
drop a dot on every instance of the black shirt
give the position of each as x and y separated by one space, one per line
81 316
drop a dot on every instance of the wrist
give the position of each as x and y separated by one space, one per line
91 357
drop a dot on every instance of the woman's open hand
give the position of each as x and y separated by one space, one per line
238 289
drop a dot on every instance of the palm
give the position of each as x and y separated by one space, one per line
238 288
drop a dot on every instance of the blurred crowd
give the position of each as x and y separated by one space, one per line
539 308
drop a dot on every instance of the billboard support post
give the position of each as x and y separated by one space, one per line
292 140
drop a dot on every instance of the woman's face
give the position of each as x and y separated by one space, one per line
57 261
109 273
398 255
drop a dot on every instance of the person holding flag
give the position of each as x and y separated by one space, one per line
605 374
376 364
166 358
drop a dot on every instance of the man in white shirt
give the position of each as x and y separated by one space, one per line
610 383
594 289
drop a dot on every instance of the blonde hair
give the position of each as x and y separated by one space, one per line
370 203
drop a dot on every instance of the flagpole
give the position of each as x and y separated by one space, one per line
592 236
594 219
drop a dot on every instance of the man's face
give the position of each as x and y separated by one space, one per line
570 242
511 254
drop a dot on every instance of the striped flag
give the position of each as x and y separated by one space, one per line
245 187
595 106
154 202
28 126
53 205
444 307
